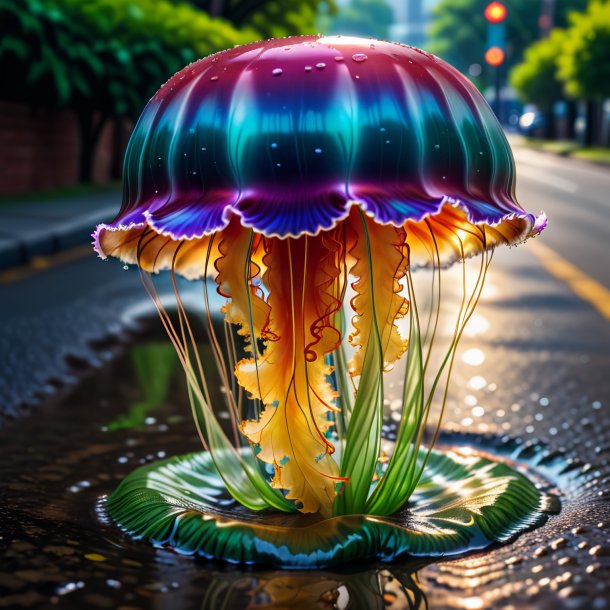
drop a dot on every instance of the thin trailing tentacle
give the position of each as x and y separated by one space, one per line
392 483
243 480
404 468
378 266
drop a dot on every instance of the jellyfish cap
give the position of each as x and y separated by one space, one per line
289 134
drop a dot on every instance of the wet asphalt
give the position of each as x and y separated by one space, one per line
532 376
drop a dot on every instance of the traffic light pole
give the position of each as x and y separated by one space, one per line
498 92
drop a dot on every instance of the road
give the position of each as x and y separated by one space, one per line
533 367
576 197
80 292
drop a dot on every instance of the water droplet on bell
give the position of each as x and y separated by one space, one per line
307 68
277 71
339 58
125 267
321 66
318 151
437 146
273 144
213 78
359 57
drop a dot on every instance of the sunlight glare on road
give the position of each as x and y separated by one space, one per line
474 356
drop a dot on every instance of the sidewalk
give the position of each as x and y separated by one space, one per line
46 226
563 148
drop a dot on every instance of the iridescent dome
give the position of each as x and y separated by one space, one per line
289 133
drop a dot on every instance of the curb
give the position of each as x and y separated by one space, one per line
37 228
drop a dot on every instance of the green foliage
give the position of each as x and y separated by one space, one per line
584 63
459 29
43 55
270 18
155 365
535 78
106 56
178 27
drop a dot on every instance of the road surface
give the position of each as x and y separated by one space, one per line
535 367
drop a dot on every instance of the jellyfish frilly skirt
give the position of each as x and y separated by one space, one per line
308 178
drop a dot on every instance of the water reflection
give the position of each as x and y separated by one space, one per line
381 589
154 364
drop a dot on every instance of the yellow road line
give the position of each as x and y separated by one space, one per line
40 263
579 282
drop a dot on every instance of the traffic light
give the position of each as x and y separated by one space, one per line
495 51
494 56
495 13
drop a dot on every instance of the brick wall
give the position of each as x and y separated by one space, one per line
39 149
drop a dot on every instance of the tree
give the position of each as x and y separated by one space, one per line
584 62
272 18
535 78
459 29
102 58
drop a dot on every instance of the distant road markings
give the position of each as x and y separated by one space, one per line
40 263
579 282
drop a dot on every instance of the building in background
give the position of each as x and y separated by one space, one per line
411 21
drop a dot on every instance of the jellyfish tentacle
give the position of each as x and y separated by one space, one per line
362 445
245 307
291 376
406 466
471 305
243 480
379 262
382 282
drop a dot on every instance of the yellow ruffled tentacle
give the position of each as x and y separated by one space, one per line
386 262
291 377
236 269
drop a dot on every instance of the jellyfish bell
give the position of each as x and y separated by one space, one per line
308 177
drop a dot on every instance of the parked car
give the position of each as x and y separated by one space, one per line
532 122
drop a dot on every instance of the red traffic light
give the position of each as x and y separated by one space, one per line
495 12
494 56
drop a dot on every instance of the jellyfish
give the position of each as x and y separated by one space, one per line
309 181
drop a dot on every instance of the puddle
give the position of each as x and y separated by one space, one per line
57 552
